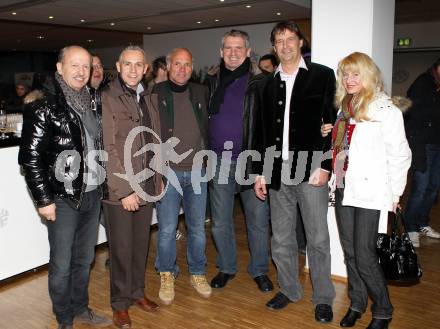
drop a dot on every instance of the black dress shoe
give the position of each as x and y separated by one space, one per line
323 313
220 280
350 318
264 283
379 324
278 302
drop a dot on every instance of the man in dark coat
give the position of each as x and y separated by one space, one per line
229 123
61 132
125 107
293 103
422 128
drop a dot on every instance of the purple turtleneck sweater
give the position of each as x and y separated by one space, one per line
227 124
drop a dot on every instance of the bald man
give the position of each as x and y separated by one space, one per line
182 107
59 129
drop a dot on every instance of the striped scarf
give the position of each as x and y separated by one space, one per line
341 125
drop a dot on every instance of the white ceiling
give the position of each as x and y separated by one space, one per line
108 23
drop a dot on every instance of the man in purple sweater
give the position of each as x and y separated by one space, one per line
227 136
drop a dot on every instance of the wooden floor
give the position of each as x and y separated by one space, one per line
25 304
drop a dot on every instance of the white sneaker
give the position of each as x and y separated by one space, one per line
415 239
430 232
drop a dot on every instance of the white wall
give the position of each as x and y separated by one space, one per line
408 65
205 44
362 25
383 35
425 34
109 56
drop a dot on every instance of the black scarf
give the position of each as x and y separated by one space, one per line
175 88
226 78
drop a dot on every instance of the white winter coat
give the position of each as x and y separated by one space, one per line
379 159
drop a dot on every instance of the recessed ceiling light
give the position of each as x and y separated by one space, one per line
14 13
248 6
89 40
278 14
149 28
222 0
112 24
216 20
40 37
50 17
199 22
82 20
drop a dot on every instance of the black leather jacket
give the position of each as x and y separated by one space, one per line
250 99
51 126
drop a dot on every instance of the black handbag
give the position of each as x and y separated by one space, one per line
397 255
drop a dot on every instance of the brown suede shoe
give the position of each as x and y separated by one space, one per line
121 319
147 305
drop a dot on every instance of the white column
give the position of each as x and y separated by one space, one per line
340 27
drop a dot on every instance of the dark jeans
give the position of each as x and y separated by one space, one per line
128 239
72 240
358 229
424 190
222 190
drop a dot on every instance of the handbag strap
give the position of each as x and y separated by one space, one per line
398 219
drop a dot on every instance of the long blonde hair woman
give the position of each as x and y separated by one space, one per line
371 160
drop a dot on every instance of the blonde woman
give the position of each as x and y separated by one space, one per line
371 158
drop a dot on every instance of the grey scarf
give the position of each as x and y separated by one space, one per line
81 102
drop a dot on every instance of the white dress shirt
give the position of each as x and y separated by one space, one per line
289 79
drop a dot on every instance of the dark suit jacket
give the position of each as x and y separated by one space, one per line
162 100
312 103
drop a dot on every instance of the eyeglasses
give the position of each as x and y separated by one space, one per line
97 67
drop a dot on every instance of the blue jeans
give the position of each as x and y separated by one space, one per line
424 190
222 196
72 240
358 229
194 206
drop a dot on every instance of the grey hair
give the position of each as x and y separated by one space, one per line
235 34
132 48
64 50
176 50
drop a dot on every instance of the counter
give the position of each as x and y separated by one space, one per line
23 234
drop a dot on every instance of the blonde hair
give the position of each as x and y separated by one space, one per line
371 80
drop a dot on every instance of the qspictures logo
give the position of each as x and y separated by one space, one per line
4 216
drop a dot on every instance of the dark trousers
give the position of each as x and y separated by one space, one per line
424 189
72 240
358 229
128 239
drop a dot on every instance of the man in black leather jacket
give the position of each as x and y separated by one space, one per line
229 123
59 130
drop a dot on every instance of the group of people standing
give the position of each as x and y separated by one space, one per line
290 112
